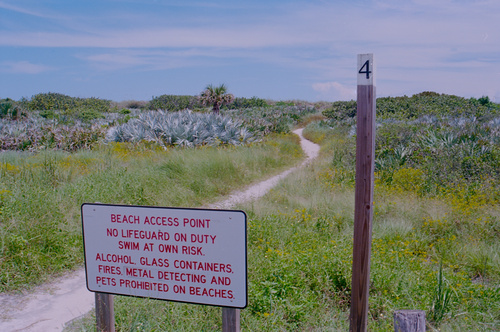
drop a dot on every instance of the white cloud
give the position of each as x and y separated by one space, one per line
23 67
334 91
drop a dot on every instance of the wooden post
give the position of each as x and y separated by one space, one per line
104 312
230 319
409 321
363 212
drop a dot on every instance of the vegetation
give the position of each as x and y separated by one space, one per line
241 103
425 103
181 128
10 109
276 119
428 253
174 103
56 101
216 96
34 133
40 194
436 230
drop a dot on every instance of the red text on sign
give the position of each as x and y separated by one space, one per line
192 250
105 281
109 269
127 245
132 272
130 219
182 277
210 292
158 262
203 238
196 223
161 221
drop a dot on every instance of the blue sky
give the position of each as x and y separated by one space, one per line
281 50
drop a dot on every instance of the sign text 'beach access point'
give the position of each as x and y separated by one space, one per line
176 254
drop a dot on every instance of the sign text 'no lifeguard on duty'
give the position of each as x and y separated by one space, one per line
176 254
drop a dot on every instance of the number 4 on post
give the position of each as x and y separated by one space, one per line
366 71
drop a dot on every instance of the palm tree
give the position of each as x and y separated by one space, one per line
216 96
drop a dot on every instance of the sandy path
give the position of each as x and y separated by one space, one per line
261 188
52 305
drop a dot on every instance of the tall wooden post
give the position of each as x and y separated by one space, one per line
363 214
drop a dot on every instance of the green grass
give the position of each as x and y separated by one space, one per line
427 254
41 194
435 253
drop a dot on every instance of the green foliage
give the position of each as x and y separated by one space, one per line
184 128
273 119
418 241
465 151
9 109
240 102
40 194
59 102
341 110
174 103
216 96
53 129
442 298
36 133
418 105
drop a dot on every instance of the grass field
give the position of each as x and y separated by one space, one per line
41 194
436 227
428 253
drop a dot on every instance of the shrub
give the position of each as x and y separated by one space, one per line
37 133
341 110
275 119
173 103
240 102
58 102
183 128
9 109
423 104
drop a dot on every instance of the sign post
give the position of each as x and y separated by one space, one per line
175 254
363 214
104 312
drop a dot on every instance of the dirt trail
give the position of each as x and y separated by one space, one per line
53 305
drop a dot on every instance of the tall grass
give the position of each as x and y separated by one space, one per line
427 254
41 194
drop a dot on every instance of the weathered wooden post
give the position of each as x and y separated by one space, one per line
104 312
230 319
409 321
363 214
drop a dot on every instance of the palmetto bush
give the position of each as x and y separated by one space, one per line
36 133
445 155
449 153
183 128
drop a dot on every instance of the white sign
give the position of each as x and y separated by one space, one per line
187 255
366 69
